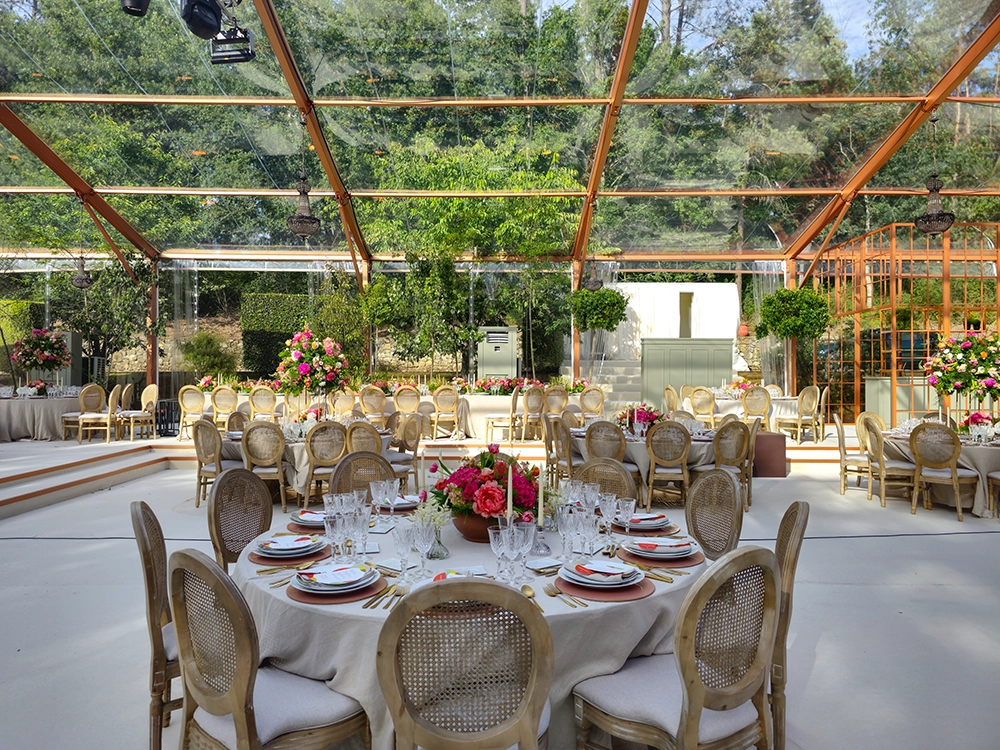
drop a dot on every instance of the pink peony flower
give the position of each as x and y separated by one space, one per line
296 355
330 376
433 468
485 475
493 448
489 501
422 495
932 380
304 368
528 517
966 344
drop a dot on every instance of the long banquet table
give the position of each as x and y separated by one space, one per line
34 418
337 643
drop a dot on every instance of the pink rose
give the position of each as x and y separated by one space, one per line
966 344
932 380
304 368
485 475
489 501
527 517
296 355
330 376
422 495
493 448
433 468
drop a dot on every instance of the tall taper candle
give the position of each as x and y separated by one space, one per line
510 489
421 479
540 516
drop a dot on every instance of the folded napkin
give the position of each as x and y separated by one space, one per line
448 574
651 545
311 516
647 517
595 570
288 542
335 576
401 500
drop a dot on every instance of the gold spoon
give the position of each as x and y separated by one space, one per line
530 593
401 591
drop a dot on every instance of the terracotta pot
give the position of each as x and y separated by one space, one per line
743 330
474 527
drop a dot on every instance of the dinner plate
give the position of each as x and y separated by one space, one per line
407 502
633 547
308 518
651 523
303 584
289 546
568 574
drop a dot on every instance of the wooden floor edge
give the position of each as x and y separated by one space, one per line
95 478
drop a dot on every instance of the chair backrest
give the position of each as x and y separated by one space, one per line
392 423
153 555
126 402
610 474
217 641
824 398
556 399
356 471
935 446
774 389
547 436
191 400
409 433
938 416
342 402
679 414
684 393
841 440
562 444
113 399
446 399
406 399
239 510
727 418
207 442
751 449
702 401
361 436
714 512
92 398
669 399
372 400
730 443
263 444
859 428
236 421
756 402
149 398
668 444
326 443
514 395
592 401
297 403
605 440
570 418
874 442
534 400
224 400
809 400
262 401
465 663
724 637
791 531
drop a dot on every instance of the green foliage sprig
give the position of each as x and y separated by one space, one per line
793 313
206 353
601 310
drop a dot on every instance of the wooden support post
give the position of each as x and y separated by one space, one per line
892 329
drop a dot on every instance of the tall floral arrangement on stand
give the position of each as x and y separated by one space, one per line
634 414
311 365
41 349
968 365
479 486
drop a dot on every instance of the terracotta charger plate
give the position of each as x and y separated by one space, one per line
385 511
320 554
641 590
677 562
665 531
308 597
301 528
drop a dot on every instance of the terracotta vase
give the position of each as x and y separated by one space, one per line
744 330
474 527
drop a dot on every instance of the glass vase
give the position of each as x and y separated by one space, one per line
438 550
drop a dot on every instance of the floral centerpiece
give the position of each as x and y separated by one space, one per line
478 488
461 385
299 427
41 349
311 365
207 383
968 365
641 413
32 388
974 421
736 387
502 386
578 385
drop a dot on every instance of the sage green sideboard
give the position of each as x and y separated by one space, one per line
679 361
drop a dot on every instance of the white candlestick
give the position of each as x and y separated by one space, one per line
541 499
420 477
510 490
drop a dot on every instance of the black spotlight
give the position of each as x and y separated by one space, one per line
203 17
135 7
233 45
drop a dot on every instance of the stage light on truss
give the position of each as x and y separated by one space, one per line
233 45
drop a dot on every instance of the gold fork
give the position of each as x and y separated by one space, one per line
387 591
551 590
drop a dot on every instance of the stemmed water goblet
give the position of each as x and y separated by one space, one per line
423 540
496 545
403 538
391 493
564 525
626 508
608 503
336 534
527 541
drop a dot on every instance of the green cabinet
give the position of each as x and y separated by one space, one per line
683 361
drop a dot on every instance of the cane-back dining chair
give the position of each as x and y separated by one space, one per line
208 452
237 421
746 472
466 664
936 449
361 436
714 512
850 463
757 403
91 399
668 445
105 421
791 530
404 461
824 399
508 421
551 459
730 445
341 402
679 414
703 405
406 399
562 447
239 510
191 400
230 701
125 403
356 471
775 390
684 394
860 430
610 474
263 402
556 399
592 402
806 418
163 661
712 691
263 453
572 419
224 403
886 471
144 418
606 440
445 408
326 444
725 418
670 399
534 407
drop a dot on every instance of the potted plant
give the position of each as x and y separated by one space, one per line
597 310
793 314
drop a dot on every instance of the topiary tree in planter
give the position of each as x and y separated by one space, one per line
793 314
599 310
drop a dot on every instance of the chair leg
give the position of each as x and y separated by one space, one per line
958 497
843 480
156 717
871 478
281 491
881 490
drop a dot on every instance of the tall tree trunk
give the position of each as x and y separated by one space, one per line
680 23
665 21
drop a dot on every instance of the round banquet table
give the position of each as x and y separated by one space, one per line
980 458
296 459
782 407
337 643
701 453
34 418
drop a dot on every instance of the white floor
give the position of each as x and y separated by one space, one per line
894 640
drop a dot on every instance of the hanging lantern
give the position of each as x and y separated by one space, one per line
936 220
302 223
81 279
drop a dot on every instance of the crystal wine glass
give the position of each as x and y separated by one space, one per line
496 545
423 540
403 537
626 509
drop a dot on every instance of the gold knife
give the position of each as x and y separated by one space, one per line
387 591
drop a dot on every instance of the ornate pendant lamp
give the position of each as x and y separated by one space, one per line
302 223
936 220
81 279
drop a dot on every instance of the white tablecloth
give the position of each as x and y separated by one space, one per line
781 407
296 460
980 458
701 454
337 643
34 418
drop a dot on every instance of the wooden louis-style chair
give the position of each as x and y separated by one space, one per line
714 512
239 510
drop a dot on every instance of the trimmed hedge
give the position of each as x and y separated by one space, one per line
17 317
268 321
